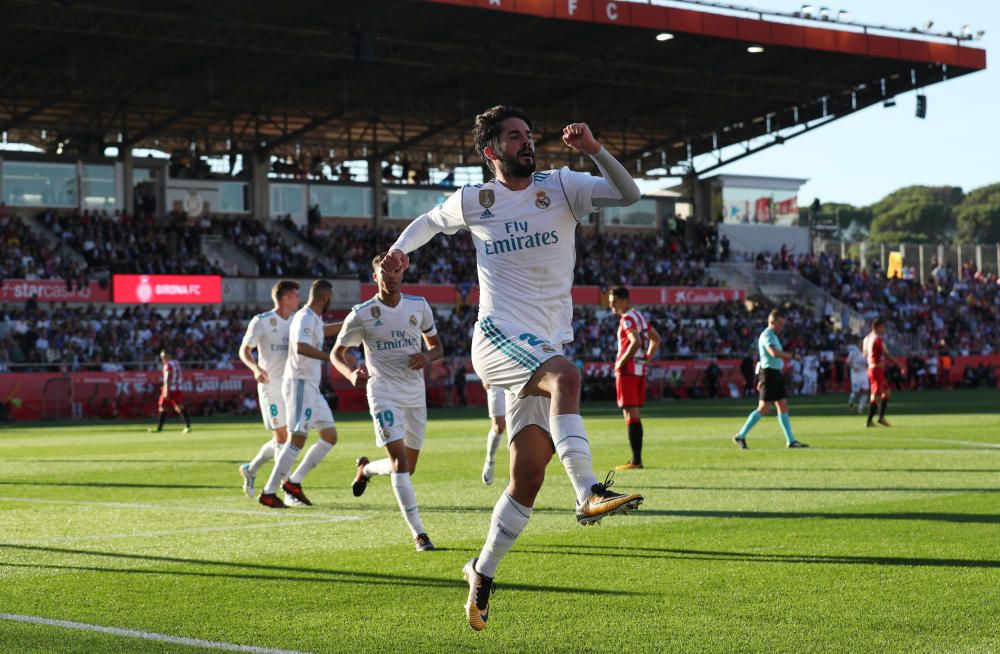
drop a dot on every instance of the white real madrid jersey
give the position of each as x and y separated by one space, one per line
306 327
525 246
268 332
389 336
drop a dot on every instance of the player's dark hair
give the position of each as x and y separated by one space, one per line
878 322
775 315
619 292
377 259
320 285
283 287
486 133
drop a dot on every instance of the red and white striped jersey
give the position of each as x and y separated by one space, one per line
874 349
632 319
173 374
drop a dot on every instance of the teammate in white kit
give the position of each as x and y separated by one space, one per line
268 334
393 328
858 365
496 405
306 406
523 225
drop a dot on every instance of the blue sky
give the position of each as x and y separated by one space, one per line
862 158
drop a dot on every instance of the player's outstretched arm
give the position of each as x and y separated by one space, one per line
331 329
616 188
445 218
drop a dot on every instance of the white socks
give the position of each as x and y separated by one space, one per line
380 467
573 448
407 500
492 443
509 519
282 464
312 458
266 453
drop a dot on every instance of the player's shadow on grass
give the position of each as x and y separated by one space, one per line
755 557
806 489
280 573
109 484
978 518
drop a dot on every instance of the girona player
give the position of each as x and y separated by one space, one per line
876 354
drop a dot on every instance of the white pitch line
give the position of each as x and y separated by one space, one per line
194 530
146 635
161 507
974 444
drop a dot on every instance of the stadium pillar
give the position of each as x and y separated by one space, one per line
260 196
979 258
881 257
863 255
920 250
128 182
378 190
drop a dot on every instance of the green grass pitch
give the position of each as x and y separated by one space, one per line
878 540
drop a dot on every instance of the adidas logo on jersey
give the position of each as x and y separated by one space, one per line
485 215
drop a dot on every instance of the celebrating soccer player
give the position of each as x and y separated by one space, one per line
393 328
268 333
637 344
523 225
876 353
770 382
171 393
305 404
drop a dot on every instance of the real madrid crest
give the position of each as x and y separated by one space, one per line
413 320
486 198
376 312
274 322
542 201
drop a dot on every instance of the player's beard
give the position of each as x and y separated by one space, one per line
511 166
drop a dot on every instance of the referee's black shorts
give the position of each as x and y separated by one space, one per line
771 385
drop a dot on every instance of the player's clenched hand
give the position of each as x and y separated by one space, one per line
418 361
394 261
359 377
579 137
261 376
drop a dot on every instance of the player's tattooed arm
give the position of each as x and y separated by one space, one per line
434 352
345 363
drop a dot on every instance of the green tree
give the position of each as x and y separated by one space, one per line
978 216
916 214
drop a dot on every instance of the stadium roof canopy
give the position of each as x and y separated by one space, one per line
380 77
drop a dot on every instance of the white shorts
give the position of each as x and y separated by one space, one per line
859 381
395 423
526 411
506 355
272 405
496 403
307 408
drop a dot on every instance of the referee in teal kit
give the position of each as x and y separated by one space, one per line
770 383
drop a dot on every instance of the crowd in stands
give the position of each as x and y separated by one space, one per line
100 337
119 243
28 256
958 307
658 259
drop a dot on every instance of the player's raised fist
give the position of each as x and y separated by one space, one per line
394 261
579 137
